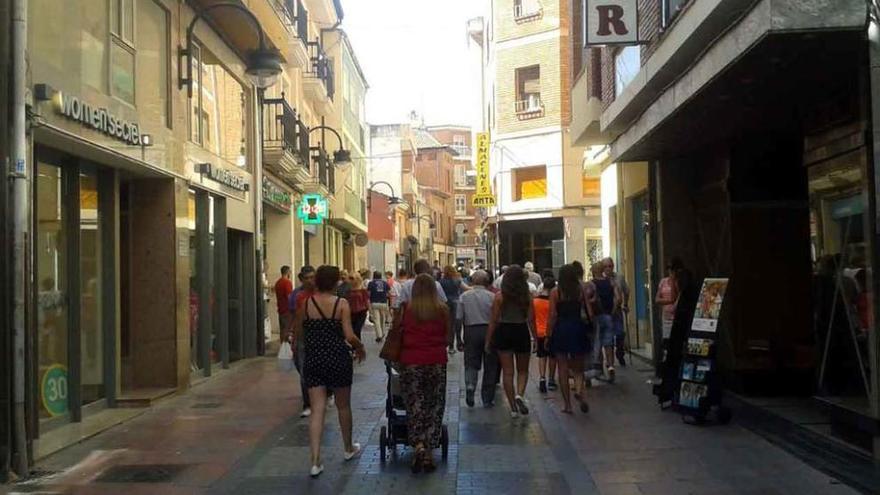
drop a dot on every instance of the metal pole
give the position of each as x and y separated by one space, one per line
21 232
258 227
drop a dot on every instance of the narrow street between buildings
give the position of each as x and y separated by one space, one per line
240 433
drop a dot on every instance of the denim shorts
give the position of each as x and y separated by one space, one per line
606 330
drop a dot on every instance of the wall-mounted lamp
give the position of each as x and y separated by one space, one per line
263 65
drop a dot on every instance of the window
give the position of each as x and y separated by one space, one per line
526 9
460 204
529 183
218 109
153 61
528 90
627 62
461 233
122 50
460 178
671 8
590 187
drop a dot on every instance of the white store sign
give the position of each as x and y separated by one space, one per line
611 22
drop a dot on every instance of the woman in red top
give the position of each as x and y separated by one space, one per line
423 370
359 301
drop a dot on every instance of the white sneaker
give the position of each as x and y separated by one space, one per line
306 413
316 471
521 405
331 401
514 414
355 453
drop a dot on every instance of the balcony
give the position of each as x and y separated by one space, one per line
463 152
530 107
285 142
527 10
466 182
319 80
323 177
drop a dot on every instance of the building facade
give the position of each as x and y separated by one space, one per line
162 190
536 172
742 141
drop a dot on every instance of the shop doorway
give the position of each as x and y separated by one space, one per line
641 284
236 294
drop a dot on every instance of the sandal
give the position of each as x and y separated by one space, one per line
418 460
428 464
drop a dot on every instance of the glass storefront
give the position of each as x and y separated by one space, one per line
51 278
92 343
842 275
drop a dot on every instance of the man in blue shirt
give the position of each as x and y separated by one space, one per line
379 312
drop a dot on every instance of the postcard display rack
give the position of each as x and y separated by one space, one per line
698 397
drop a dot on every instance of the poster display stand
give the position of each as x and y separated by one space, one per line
698 393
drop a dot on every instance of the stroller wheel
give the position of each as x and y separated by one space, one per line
444 442
383 444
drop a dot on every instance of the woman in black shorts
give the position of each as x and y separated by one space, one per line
512 333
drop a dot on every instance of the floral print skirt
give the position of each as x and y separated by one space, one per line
424 391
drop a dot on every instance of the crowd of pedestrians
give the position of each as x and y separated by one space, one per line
574 327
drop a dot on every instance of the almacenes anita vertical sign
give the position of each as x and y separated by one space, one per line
483 198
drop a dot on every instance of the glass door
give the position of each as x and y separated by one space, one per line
91 330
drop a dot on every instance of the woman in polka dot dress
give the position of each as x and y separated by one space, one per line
329 340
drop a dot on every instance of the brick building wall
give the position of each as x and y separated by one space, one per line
507 27
544 53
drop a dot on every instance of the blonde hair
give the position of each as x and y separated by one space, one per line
356 281
425 304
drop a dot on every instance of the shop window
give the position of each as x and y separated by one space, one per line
528 90
153 59
627 62
218 109
529 183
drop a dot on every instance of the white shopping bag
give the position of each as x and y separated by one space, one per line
285 357
368 326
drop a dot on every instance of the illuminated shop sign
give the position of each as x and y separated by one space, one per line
312 210
223 176
99 119
274 195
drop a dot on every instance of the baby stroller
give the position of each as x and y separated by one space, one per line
395 433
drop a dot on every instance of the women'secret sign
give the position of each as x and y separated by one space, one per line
99 119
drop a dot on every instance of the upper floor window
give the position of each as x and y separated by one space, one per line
528 90
122 50
460 177
529 183
460 204
218 116
525 10
627 62
153 56
670 9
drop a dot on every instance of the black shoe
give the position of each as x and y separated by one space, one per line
542 386
469 398
489 404
378 339
552 386
620 359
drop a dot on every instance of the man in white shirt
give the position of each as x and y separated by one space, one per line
476 311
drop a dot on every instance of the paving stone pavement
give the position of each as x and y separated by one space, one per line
251 441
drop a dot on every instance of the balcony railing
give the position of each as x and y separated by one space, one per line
283 129
322 66
324 171
355 207
302 22
531 106
466 181
287 10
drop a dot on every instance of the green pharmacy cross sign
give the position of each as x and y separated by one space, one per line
312 210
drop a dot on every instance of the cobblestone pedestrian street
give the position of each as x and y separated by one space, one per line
240 433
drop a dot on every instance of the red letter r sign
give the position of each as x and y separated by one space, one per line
611 22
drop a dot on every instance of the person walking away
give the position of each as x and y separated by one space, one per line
497 282
402 275
325 322
296 304
423 370
541 307
619 317
512 332
476 312
606 302
533 277
358 301
453 287
567 333
379 290
392 287
283 289
405 293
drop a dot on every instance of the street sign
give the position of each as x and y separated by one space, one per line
611 22
312 210
54 390
483 198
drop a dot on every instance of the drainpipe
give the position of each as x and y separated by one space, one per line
18 175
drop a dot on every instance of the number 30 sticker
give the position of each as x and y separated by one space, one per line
55 390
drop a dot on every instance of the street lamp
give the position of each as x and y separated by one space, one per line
263 65
342 156
393 200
